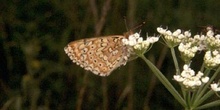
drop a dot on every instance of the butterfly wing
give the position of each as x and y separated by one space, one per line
99 55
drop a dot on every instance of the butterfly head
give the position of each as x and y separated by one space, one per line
127 34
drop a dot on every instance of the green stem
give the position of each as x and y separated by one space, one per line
206 96
208 105
202 67
177 69
189 103
175 61
200 88
201 93
165 82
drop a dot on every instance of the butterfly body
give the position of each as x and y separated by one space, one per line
99 55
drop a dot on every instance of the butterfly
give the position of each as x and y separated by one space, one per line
100 55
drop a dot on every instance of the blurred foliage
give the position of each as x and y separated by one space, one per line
36 74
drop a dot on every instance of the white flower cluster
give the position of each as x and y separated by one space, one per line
199 41
137 42
215 87
189 46
133 39
212 45
189 79
212 58
212 41
187 49
175 38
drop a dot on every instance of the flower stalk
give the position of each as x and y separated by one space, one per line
175 60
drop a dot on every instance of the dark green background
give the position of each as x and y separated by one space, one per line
36 73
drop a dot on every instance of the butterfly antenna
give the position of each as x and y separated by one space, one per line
138 26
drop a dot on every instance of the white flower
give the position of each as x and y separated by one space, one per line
187 33
178 78
205 79
212 41
132 42
138 47
152 39
161 30
200 74
181 36
188 50
212 58
217 36
136 42
189 79
215 87
210 33
140 40
172 39
187 72
169 33
177 32
200 41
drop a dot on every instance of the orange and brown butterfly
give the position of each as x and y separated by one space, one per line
100 55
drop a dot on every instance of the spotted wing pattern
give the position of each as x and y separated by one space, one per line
99 55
